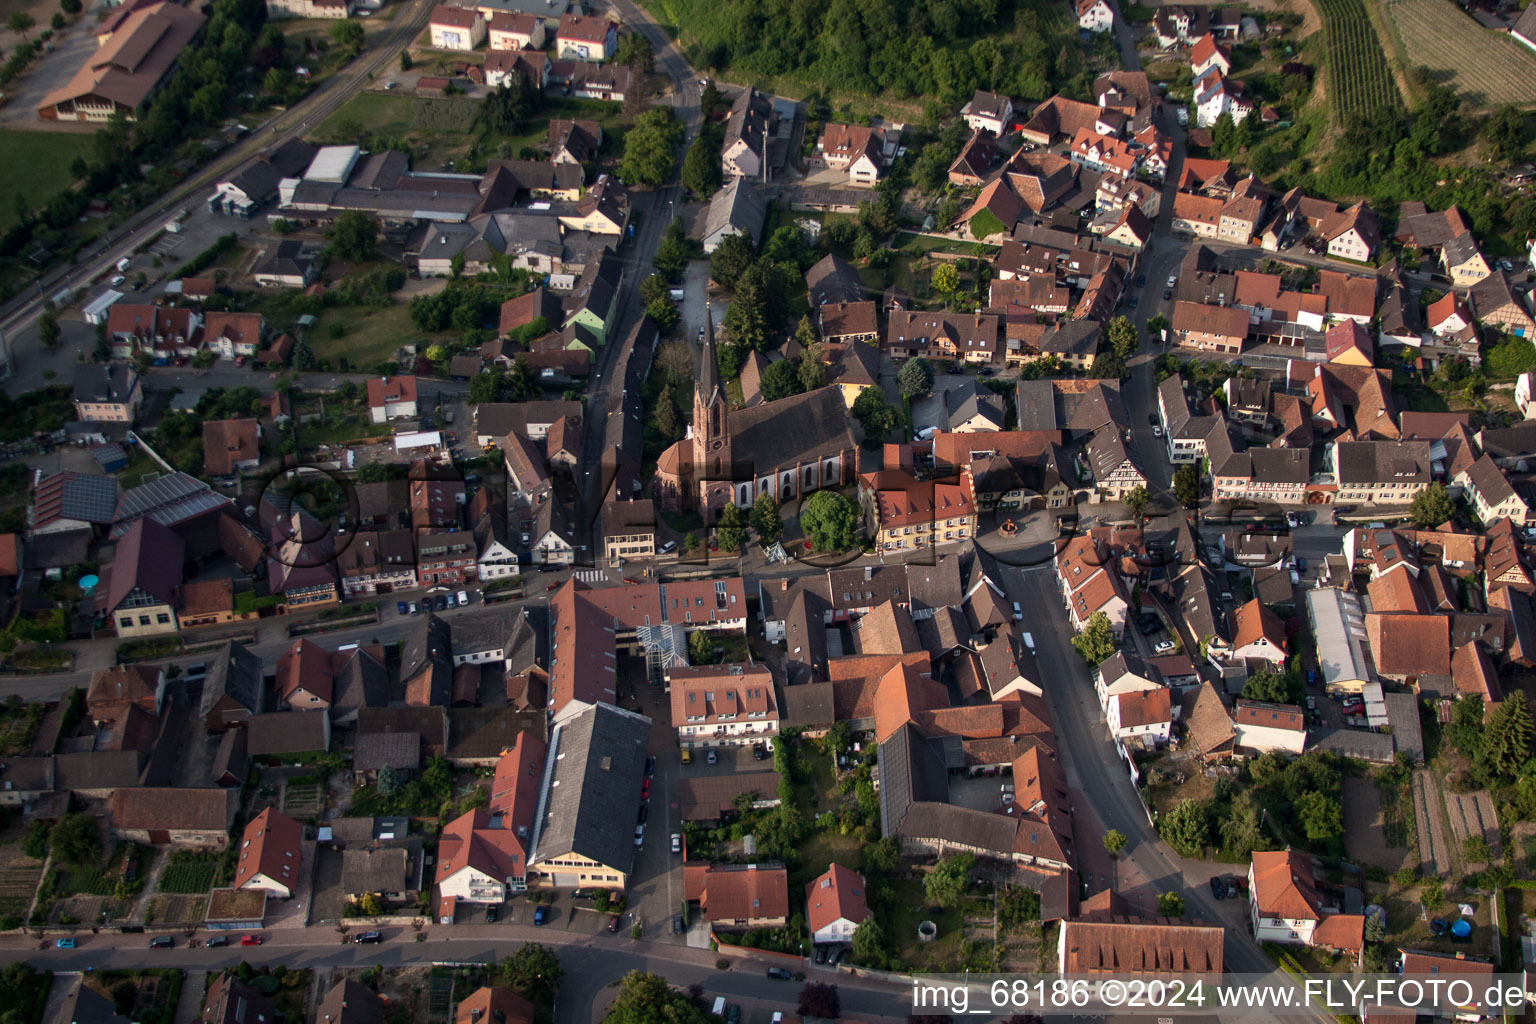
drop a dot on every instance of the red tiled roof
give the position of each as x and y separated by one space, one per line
837 894
271 847
1283 886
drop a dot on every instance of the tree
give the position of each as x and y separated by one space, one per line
533 970
389 778
371 905
354 234
487 386
76 839
1114 841
830 521
875 416
507 108
405 60
1275 687
1157 324
648 998
348 33
303 356
1241 831
58 21
1186 828
731 530
664 416
674 251
812 371
1137 500
1506 742
1431 507
21 23
634 52
949 878
946 280
701 167
869 943
1320 815
1504 129
1170 904
701 649
648 146
48 331
765 518
730 260
915 377
1097 640
1475 848
71 6
712 101
781 379
818 999
1186 485
1122 337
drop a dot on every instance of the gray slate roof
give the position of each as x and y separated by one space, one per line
589 807
235 672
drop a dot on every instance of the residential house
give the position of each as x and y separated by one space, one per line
1462 261
1263 727
736 209
379 562
456 28
978 159
1142 717
230 447
494 1005
723 705
738 895
271 849
107 393
344 682
1285 905
586 38
1216 96
1209 328
1115 464
515 31
483 856
902 512
143 580
1495 305
748 128
593 304
231 335
163 331
988 112
1379 472
942 337
351 1002
1258 635
1095 15
234 688
972 407
1089 584
857 149
1491 495
229 1001
392 398
835 905
1352 234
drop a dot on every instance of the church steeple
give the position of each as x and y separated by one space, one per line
711 413
709 369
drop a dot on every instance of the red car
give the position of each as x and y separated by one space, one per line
645 790
250 940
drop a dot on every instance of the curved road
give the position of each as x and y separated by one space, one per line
311 110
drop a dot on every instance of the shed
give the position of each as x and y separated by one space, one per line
96 311
236 909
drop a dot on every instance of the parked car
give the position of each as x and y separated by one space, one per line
778 974
369 938
643 813
711 757
677 924
117 279
733 1014
463 597
677 842
1173 279
442 602
490 914
250 940
1164 647
1167 294
613 922
540 914
650 766
216 941
758 752
1135 301
402 608
1148 628
1231 887
645 789
414 609
1311 703
686 757
64 943
449 600
162 942
1141 280
639 835
1218 888
821 954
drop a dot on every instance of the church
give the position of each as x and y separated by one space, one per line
786 448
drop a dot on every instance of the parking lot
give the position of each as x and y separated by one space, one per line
728 761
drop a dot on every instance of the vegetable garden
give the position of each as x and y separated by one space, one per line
1359 80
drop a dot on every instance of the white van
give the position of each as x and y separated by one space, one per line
123 263
719 1008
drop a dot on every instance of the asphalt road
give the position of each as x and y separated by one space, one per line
593 963
1096 770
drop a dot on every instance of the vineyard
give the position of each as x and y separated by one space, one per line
1359 80
1485 67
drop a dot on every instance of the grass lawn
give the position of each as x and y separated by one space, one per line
35 165
373 335
912 242
909 908
339 427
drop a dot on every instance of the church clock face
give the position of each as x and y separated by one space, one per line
716 445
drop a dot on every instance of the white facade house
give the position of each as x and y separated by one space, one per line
835 905
723 705
1143 716
1118 675
1095 16
988 112
1215 96
496 561
1264 727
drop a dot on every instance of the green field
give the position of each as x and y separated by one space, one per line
35 165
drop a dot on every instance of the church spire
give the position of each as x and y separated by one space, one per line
709 368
